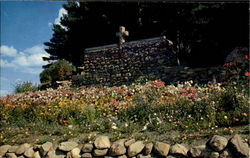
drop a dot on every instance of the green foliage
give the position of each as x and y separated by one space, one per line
25 87
58 71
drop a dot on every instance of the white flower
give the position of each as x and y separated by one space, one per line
145 127
126 125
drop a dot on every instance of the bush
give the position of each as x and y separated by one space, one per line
25 87
58 71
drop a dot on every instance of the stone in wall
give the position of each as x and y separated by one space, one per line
214 148
136 57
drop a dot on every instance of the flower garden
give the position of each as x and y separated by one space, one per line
141 110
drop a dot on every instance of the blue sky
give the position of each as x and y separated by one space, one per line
25 26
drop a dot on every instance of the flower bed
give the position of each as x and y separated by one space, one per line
192 109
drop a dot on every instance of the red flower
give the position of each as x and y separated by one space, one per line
159 83
246 57
247 74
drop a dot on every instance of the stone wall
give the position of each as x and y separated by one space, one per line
216 147
115 65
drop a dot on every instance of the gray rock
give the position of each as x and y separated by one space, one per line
4 149
55 154
11 155
29 153
67 146
197 151
218 143
226 154
13 149
36 155
239 148
122 156
87 148
148 148
161 149
22 148
117 148
129 142
44 148
100 152
75 153
102 142
86 155
135 148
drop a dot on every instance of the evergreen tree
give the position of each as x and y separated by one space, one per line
198 30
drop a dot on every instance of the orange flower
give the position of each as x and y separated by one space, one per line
247 73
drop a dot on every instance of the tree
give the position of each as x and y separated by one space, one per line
58 71
198 30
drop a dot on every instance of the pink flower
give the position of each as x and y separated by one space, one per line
244 114
184 135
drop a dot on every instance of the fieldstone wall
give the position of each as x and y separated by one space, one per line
119 64
216 147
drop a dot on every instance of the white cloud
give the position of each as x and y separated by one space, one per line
8 51
57 21
28 61
62 12
35 49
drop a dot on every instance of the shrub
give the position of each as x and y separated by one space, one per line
25 87
58 71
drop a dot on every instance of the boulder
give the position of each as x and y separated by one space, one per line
102 142
55 154
100 152
75 153
86 155
143 156
122 156
226 154
13 149
87 148
36 155
212 155
11 155
178 149
117 148
218 143
4 149
22 148
197 151
161 149
129 142
135 148
44 148
67 146
29 153
148 148
240 149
